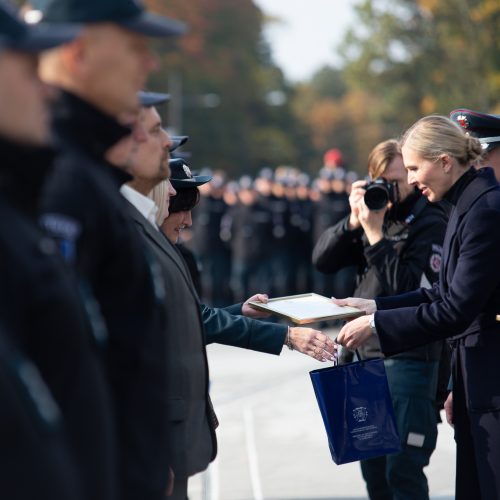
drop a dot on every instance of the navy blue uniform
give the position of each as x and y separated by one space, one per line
35 459
462 307
328 211
213 252
41 308
83 210
251 234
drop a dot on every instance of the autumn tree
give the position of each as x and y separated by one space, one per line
234 102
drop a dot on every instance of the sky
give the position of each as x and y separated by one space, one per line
306 38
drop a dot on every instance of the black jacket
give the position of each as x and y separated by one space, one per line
208 222
251 231
83 209
34 445
329 210
408 256
41 308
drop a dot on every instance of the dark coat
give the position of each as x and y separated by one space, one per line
462 307
251 231
35 459
328 211
192 436
208 222
82 208
41 308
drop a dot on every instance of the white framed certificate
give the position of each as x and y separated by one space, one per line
307 308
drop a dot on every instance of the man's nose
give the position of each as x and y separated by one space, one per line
167 141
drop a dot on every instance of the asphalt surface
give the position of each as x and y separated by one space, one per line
272 443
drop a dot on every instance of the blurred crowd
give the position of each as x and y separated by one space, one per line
257 234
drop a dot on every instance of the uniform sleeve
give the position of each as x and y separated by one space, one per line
408 299
234 309
475 278
221 327
418 263
62 216
337 248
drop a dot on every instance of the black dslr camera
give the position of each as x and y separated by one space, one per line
379 193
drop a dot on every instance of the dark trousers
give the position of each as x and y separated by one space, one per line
476 417
397 477
400 476
180 489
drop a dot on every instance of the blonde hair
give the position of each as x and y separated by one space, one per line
435 135
381 157
159 195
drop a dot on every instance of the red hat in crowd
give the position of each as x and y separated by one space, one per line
333 158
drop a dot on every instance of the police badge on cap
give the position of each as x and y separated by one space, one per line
483 126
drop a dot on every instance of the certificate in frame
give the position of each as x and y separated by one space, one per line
307 308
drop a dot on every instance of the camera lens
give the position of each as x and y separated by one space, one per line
377 196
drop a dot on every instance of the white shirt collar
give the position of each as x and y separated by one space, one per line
146 206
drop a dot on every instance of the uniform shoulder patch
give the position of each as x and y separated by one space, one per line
435 261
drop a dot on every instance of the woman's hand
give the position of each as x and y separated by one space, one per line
313 343
355 333
368 306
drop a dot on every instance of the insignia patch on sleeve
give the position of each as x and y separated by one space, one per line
435 262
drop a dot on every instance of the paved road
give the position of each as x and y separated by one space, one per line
272 443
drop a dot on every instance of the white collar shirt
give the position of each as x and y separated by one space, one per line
146 206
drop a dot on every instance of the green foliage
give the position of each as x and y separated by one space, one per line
403 59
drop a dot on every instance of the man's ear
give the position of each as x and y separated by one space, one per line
139 132
73 57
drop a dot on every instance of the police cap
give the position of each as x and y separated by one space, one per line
149 99
178 141
17 35
130 14
481 125
181 176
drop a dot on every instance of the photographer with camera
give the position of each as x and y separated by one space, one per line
394 237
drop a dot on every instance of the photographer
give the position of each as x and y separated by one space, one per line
396 246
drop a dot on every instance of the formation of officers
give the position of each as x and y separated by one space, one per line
258 234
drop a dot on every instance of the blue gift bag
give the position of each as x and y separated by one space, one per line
356 407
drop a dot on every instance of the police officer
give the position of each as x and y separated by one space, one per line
299 235
99 75
56 432
331 207
486 128
251 232
280 258
207 242
394 250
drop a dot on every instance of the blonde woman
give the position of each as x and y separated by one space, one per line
461 306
